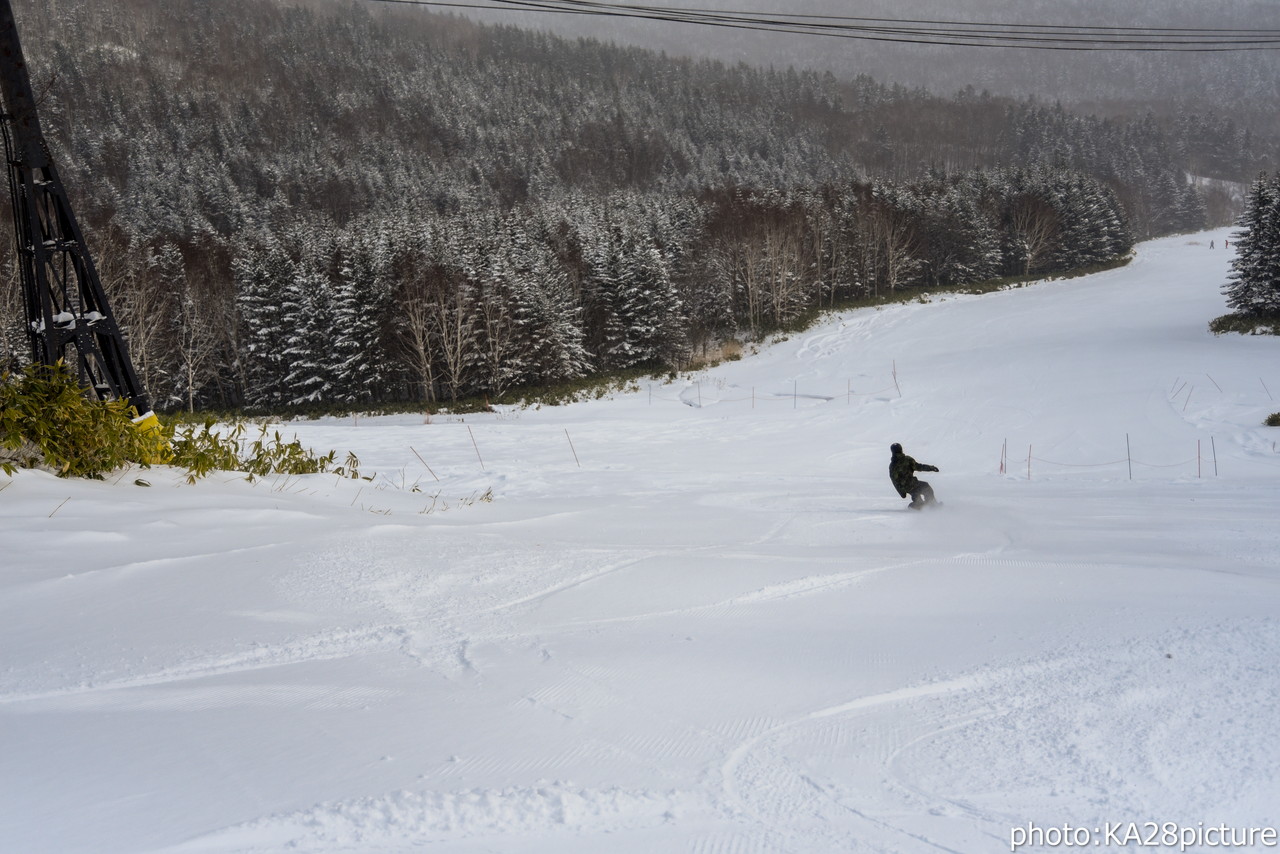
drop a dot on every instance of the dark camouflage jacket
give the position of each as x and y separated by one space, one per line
902 471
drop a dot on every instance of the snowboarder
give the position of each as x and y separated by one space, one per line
902 471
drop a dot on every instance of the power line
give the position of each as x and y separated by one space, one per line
904 31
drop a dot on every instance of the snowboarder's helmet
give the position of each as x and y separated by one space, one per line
896 448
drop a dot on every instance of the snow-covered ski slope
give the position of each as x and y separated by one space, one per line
711 629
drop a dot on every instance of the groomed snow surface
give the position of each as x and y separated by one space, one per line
696 617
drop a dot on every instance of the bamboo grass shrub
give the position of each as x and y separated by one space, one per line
47 421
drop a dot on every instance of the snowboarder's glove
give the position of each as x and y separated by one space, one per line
932 468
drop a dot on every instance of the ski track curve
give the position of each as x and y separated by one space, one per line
323 646
773 789
889 784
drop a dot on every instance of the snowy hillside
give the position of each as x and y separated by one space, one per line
695 618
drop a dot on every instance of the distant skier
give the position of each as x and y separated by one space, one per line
902 471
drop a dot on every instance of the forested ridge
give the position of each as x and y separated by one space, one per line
344 203
1233 93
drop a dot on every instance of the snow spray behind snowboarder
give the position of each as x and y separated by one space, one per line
902 471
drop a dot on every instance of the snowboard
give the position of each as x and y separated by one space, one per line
931 505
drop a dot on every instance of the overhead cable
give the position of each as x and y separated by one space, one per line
908 31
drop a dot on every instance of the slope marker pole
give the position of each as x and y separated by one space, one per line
477 447
424 462
572 448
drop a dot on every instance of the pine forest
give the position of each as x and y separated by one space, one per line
337 204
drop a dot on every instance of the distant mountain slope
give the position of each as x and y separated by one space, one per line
1234 90
185 118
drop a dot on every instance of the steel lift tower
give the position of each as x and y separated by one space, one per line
67 315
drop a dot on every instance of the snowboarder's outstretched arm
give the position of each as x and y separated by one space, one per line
920 467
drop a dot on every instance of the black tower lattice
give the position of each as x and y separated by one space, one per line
67 315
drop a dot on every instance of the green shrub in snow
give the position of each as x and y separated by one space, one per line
46 420
1245 324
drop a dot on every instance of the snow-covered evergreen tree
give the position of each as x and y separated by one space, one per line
961 244
1254 282
362 293
495 361
602 289
548 318
309 319
650 306
1092 228
262 275
631 305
